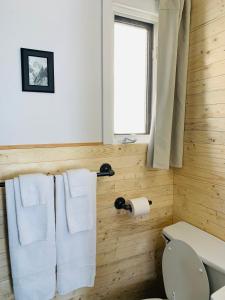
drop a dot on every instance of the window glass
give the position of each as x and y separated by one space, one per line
131 78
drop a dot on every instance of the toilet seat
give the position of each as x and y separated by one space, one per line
184 274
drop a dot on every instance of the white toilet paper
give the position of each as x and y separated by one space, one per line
140 206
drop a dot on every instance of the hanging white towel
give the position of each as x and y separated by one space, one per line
76 253
32 189
33 265
79 195
31 220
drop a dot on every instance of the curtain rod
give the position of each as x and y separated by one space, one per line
105 170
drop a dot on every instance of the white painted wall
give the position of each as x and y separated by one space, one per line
72 30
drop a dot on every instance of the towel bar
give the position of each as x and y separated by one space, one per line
105 170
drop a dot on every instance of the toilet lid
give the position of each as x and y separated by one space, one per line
184 274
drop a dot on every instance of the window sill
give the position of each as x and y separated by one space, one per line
131 138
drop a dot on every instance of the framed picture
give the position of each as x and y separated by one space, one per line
37 71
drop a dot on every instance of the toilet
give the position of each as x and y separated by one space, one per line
193 264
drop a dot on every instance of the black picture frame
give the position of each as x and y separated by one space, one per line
39 78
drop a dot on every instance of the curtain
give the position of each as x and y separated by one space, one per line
167 125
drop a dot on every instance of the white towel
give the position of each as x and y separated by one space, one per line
76 178
79 195
31 220
76 253
33 266
32 189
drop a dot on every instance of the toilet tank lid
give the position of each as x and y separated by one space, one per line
209 248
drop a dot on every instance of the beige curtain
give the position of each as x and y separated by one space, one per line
167 126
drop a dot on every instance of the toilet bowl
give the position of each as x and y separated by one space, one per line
193 264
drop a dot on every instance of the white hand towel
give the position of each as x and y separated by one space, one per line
76 253
33 266
32 189
77 178
31 220
79 197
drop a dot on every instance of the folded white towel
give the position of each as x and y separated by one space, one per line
33 266
79 195
76 253
31 220
32 189
77 178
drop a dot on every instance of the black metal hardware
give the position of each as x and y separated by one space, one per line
120 203
105 170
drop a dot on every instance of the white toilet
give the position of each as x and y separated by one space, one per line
193 264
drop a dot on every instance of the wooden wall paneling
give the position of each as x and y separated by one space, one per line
212 97
202 47
206 11
128 249
205 137
214 27
210 124
206 85
205 111
199 187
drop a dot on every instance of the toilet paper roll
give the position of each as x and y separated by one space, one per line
140 206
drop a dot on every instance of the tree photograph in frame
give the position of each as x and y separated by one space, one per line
37 71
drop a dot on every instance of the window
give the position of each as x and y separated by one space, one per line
133 43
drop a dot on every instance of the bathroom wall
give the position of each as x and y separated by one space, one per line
128 249
72 30
200 185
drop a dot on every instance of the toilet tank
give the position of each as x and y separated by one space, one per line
210 249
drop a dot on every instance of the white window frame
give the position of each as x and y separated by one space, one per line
109 11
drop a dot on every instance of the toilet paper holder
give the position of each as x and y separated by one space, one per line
120 203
